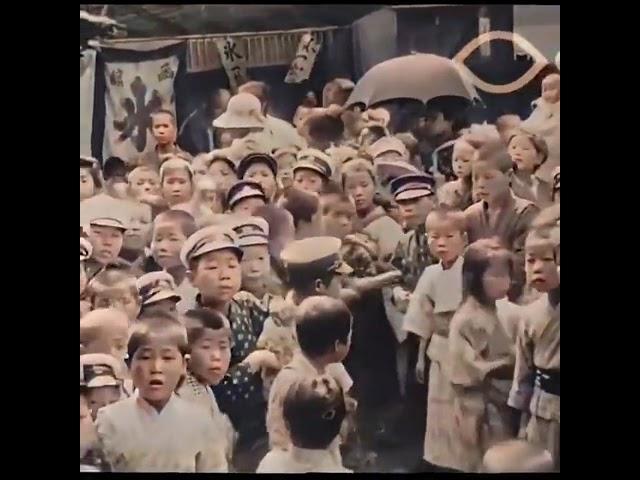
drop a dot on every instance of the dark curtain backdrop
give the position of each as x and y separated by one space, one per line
370 40
446 30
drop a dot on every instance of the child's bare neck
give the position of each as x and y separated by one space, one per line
319 363
447 265
158 405
165 148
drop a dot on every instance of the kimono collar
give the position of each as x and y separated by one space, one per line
150 410
309 456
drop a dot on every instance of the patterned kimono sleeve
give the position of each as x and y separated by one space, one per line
522 388
466 346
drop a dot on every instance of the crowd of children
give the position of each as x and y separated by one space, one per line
304 299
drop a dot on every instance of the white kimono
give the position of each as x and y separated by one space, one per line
180 438
300 460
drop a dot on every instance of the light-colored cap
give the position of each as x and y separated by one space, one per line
251 231
209 239
314 254
342 154
315 160
99 370
388 144
243 111
86 249
157 286
108 222
244 189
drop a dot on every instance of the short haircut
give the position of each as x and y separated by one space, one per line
536 140
173 163
511 456
163 111
321 322
332 201
494 154
313 410
258 89
358 165
477 260
300 204
331 187
93 323
133 174
184 220
444 213
112 278
158 323
201 319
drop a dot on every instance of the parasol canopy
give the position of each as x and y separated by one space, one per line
420 76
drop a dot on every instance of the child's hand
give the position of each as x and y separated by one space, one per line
261 359
401 298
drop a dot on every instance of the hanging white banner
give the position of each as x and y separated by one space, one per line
234 60
87 91
302 64
134 91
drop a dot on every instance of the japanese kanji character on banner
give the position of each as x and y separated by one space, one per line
234 60
302 64
134 91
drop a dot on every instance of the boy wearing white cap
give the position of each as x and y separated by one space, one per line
157 292
106 236
213 258
102 378
312 170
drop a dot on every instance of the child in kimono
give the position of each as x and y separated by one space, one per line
480 358
115 289
499 213
517 456
528 153
433 304
313 410
536 383
323 329
210 343
212 257
156 430
91 457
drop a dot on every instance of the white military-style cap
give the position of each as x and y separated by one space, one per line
209 239
157 286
